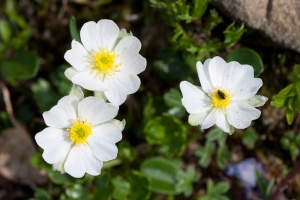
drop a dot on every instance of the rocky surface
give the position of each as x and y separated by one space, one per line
277 19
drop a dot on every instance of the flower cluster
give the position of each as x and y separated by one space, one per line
82 132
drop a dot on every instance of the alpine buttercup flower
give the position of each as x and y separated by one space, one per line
81 135
226 96
108 60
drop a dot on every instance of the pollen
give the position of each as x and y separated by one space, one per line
220 99
80 131
103 62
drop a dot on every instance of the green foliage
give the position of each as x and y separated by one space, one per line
247 56
289 97
291 142
41 194
121 188
172 99
185 180
249 137
161 174
73 29
233 34
215 192
139 186
23 65
206 152
168 132
266 189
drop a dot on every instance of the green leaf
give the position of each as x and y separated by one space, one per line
216 134
173 99
41 194
44 94
161 174
103 187
186 180
199 8
247 56
139 186
168 132
215 192
249 136
269 188
58 178
23 65
223 155
73 29
60 81
289 116
232 34
205 153
121 188
5 31
77 191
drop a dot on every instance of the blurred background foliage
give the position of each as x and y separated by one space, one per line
161 156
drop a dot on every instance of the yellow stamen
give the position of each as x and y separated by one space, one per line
80 131
103 62
220 99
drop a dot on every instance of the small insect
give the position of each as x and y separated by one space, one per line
221 94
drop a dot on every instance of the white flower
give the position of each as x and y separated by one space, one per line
108 61
227 96
81 135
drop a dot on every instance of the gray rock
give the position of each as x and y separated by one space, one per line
277 19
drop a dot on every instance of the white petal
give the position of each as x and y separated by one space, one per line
194 99
103 139
204 76
55 142
81 161
217 68
70 72
118 123
131 63
247 89
77 56
102 34
210 120
61 115
257 100
221 121
121 85
89 81
77 91
129 44
95 110
236 74
241 114
197 119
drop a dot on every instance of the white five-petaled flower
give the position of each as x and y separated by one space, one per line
226 96
108 61
81 135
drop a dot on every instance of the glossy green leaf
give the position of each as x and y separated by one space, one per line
73 29
121 188
173 99
289 116
78 191
23 65
247 56
161 174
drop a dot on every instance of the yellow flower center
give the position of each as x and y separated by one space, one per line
220 99
103 62
80 131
